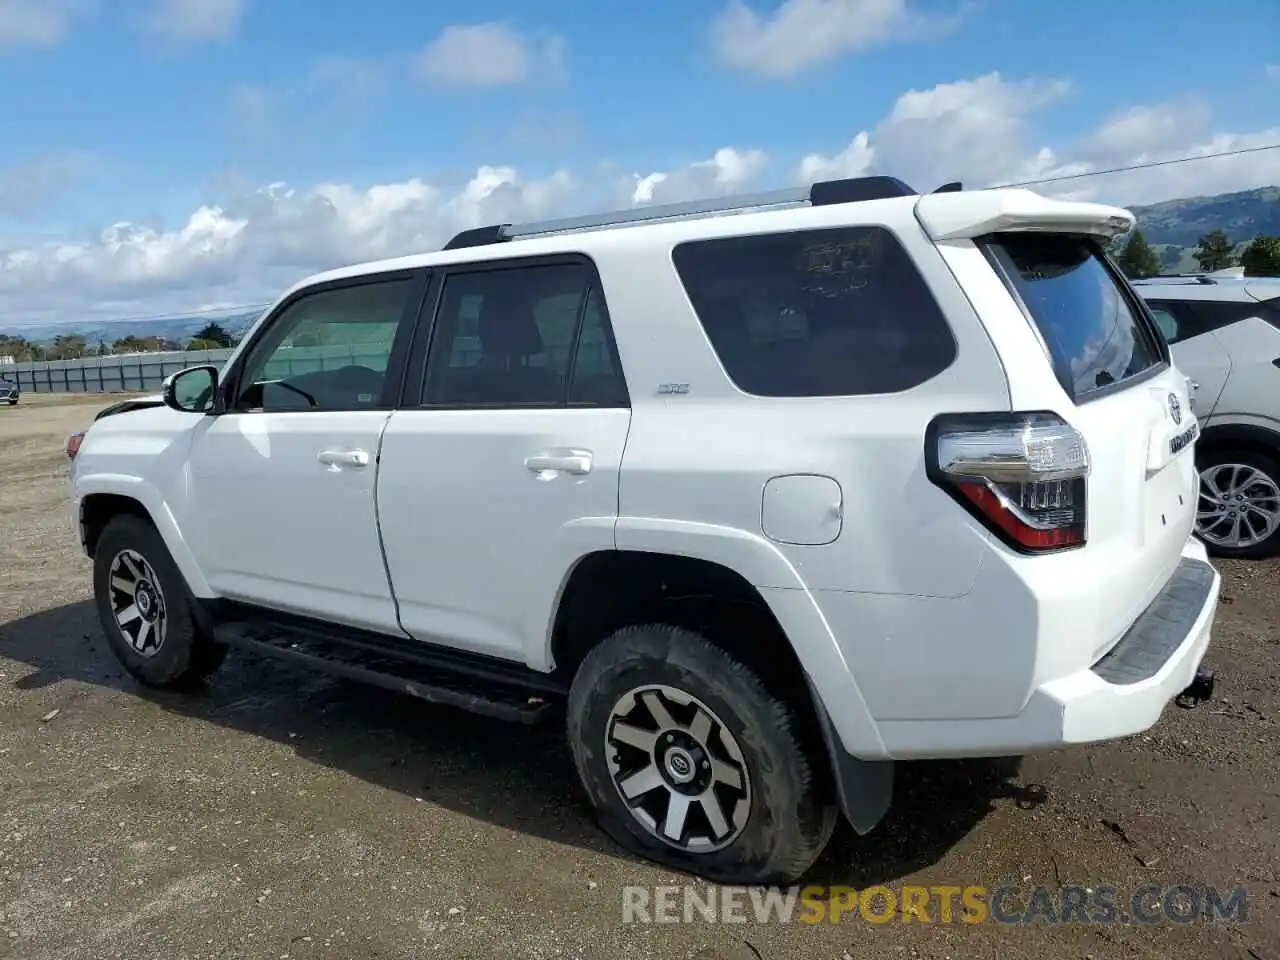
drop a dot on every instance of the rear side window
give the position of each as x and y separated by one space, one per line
1095 330
816 313
1214 314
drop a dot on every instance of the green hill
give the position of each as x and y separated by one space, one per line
1174 226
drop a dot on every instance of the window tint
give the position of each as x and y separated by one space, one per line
597 376
1095 333
505 337
1214 314
326 351
816 313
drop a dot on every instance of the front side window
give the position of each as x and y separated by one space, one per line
519 337
326 351
816 313
1092 324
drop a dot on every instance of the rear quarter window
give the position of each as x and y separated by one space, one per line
816 313
1094 325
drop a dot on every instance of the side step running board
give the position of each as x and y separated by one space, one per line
387 671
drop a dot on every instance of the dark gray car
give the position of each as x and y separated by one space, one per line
9 391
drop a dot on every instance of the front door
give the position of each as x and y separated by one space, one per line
284 479
506 471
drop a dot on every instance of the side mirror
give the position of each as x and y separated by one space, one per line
191 390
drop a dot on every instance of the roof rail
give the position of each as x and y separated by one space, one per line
820 194
1177 278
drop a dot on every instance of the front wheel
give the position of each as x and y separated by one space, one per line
145 609
691 762
1238 516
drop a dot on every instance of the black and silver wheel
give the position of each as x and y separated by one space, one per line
145 609
1238 514
137 602
690 761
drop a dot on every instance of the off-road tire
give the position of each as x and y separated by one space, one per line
186 655
792 809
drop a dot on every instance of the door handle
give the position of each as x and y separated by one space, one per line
344 458
565 460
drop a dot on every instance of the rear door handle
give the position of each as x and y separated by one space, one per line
344 458
562 459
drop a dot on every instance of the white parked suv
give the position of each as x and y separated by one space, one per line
764 501
1225 335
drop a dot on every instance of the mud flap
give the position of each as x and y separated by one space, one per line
864 787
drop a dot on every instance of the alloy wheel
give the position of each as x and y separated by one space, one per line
137 602
678 768
1239 506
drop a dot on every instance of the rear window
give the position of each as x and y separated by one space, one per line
1096 333
816 313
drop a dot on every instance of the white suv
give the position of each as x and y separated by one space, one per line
764 501
1225 335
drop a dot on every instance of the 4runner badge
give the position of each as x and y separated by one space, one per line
1175 409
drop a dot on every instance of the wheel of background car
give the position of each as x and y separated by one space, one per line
145 609
691 762
1239 510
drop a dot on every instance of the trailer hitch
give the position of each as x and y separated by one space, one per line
1198 691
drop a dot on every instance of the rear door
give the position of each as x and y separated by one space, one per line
501 468
1117 387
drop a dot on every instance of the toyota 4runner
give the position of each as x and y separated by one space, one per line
764 493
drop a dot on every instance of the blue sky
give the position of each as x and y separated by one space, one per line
142 111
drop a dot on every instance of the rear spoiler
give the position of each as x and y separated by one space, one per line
964 216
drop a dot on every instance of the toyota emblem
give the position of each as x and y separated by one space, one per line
1175 408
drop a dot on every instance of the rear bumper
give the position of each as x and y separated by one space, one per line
1121 694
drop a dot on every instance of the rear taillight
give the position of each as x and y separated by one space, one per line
1022 474
73 445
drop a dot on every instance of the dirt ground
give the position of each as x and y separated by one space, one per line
278 814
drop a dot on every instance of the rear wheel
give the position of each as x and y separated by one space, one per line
145 609
1239 511
689 761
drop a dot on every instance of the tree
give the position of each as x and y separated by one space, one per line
1214 252
1170 257
1261 258
1137 259
216 334
68 346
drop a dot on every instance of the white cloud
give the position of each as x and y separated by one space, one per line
729 170
39 23
801 34
490 55
253 242
853 161
194 21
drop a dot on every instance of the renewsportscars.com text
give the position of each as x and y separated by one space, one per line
972 904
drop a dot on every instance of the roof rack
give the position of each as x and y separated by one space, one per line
820 194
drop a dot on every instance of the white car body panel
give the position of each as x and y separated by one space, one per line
921 634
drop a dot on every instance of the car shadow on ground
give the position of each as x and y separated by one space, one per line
517 778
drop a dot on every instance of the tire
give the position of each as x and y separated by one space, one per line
172 651
1223 467
789 808
13 401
